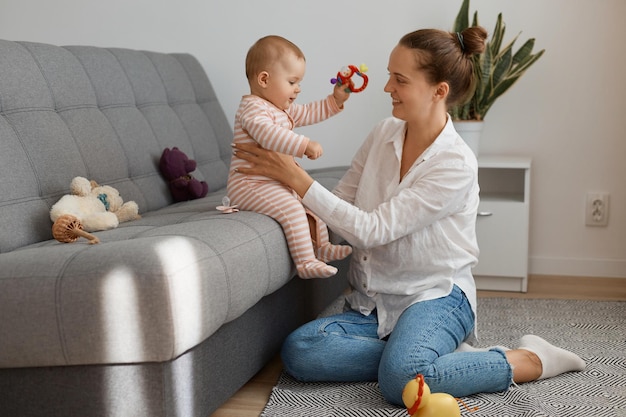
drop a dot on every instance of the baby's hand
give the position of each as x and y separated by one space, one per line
341 95
313 150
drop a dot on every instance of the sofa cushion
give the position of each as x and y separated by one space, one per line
151 290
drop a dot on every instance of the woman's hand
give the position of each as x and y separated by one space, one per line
275 165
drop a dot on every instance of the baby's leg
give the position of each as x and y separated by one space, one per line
282 205
324 250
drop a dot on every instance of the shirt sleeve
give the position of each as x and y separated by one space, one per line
347 187
439 193
314 112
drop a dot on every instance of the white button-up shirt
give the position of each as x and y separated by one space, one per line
413 237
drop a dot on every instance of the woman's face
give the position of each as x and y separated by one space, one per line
412 96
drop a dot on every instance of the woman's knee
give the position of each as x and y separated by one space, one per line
391 381
400 364
344 347
299 353
393 374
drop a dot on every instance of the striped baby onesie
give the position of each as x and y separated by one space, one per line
258 120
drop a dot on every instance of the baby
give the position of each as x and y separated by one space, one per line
274 68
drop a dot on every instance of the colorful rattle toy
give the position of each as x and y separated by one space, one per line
420 402
344 77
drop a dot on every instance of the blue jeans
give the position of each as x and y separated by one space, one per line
346 347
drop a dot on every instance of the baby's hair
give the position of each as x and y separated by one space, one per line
266 51
447 57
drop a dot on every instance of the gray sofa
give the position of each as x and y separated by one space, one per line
169 315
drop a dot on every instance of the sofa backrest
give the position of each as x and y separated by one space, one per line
104 114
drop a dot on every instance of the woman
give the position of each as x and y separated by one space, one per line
408 206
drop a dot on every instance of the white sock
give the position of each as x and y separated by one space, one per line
554 360
466 347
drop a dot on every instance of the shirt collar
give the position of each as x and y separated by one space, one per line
446 138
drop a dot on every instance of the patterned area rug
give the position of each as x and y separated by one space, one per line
595 330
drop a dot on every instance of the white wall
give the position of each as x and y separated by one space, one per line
565 113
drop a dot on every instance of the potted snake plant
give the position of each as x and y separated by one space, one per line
496 70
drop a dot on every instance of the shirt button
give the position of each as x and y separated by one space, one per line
365 258
364 285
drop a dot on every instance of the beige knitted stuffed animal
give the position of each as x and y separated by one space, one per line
97 207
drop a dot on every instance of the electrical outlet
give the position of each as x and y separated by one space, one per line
597 209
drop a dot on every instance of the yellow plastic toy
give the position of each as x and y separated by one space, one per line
420 402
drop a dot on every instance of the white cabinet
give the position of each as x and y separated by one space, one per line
502 223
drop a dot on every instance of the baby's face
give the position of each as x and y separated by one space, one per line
284 79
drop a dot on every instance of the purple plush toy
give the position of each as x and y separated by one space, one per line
176 167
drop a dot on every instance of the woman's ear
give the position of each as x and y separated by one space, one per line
262 78
441 93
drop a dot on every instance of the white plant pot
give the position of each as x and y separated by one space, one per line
470 131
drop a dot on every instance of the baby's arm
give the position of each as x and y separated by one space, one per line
317 111
261 127
314 150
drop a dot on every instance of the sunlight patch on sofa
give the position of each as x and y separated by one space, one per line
122 327
179 263
123 336
183 387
